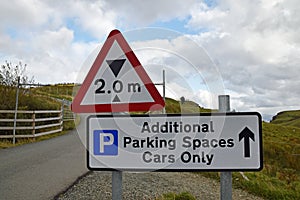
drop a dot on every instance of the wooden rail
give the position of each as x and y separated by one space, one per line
37 123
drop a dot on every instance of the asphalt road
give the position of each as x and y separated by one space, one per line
43 169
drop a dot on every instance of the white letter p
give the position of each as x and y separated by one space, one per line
103 143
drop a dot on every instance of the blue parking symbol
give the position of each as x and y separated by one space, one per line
105 142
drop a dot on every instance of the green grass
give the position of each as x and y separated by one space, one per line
59 91
282 185
173 106
280 177
287 118
28 100
174 196
281 146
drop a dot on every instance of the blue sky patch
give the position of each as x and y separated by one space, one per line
79 34
12 32
211 3
175 24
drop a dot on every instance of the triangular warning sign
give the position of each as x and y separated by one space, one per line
116 82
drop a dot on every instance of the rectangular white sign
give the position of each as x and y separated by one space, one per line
188 142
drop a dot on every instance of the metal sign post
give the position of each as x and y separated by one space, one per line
226 177
117 185
164 89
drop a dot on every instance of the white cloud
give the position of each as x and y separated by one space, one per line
23 13
142 13
38 33
93 17
255 45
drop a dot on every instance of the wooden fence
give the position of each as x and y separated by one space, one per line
31 124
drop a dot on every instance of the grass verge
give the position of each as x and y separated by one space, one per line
174 196
280 187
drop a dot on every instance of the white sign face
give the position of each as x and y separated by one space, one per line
193 142
116 81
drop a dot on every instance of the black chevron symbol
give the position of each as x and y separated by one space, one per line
116 65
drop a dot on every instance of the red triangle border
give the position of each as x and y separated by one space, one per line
158 103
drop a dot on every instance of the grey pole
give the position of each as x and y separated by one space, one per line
116 185
164 90
224 103
16 111
226 177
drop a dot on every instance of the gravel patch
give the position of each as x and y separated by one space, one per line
149 186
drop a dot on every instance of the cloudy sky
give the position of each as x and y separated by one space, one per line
248 49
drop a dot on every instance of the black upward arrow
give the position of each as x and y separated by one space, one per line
246 134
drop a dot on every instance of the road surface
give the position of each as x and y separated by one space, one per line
43 169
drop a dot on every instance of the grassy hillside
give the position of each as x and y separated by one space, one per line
59 91
287 118
173 106
28 100
280 178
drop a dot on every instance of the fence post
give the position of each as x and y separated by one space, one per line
33 124
62 115
226 177
16 111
